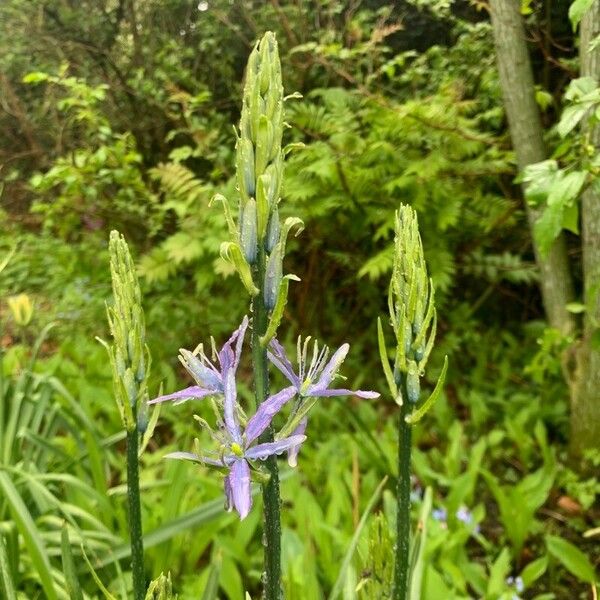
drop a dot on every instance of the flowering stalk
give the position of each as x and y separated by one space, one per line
130 363
257 248
413 319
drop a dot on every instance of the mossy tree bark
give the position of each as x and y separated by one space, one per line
526 132
585 406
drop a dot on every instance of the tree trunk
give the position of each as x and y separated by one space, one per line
585 409
516 81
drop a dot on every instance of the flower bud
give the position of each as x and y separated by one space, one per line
273 231
273 276
248 231
413 385
21 308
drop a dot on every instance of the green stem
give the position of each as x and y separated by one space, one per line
135 516
270 490
402 549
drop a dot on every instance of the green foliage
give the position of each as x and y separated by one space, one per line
557 184
136 134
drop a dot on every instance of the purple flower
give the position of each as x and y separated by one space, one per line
464 515
439 514
518 584
209 379
312 380
236 447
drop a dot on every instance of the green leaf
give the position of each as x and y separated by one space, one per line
96 578
6 583
575 307
498 573
420 540
35 77
566 187
571 557
73 587
576 11
31 535
534 570
212 585
339 583
539 177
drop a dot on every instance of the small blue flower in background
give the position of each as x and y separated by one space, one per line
464 515
518 584
440 514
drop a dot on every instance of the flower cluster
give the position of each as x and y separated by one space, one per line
237 436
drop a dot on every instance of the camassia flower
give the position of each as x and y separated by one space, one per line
209 379
313 380
236 447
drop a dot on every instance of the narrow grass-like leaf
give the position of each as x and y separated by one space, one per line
212 585
97 579
339 584
68 564
7 585
418 558
31 535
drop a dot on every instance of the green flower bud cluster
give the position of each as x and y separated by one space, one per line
259 238
128 353
161 588
259 155
413 316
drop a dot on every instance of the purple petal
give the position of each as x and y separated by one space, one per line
194 458
293 452
227 357
266 411
239 480
205 374
229 406
313 390
240 341
262 451
332 367
280 360
228 494
194 391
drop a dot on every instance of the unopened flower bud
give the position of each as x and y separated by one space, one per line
248 231
273 231
413 385
273 276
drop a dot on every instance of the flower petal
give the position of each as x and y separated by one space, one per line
313 390
239 480
201 369
280 360
263 451
228 494
195 458
294 450
240 341
194 391
227 357
266 411
229 406
332 367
